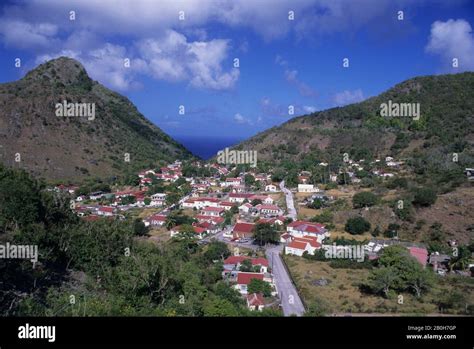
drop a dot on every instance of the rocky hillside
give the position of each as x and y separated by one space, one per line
77 145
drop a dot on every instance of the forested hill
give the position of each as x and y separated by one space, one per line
445 126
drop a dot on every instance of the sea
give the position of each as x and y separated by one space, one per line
206 147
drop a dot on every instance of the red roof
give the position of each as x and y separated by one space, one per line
157 217
245 278
255 299
421 254
240 259
106 209
308 227
213 209
298 245
309 239
207 199
268 207
243 227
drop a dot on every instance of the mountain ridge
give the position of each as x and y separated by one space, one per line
72 148
336 129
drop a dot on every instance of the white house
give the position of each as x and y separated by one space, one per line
239 197
307 188
156 220
270 187
245 208
255 301
298 246
303 228
231 182
105 211
212 211
269 209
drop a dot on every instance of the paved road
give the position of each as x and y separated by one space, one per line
290 299
290 205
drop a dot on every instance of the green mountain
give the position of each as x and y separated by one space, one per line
70 147
445 127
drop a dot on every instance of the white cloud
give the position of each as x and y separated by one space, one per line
240 119
105 64
453 39
173 58
309 109
291 76
348 97
268 18
23 35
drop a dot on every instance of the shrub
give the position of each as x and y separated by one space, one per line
357 225
364 199
424 197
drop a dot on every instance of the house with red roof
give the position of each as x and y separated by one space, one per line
212 211
255 301
200 202
299 245
263 198
105 211
273 221
269 209
156 220
421 254
239 197
243 230
210 227
243 280
227 205
231 182
210 219
198 231
234 263
305 228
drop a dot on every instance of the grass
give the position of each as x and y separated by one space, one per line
342 293
159 234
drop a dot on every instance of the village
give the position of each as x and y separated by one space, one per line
259 219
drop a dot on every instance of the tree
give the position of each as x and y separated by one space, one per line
316 204
216 250
259 286
357 225
343 178
234 209
264 233
383 279
139 227
256 202
249 180
246 266
172 199
420 280
424 197
462 259
147 201
392 230
128 200
364 199
325 217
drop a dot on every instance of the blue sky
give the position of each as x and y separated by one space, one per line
282 62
